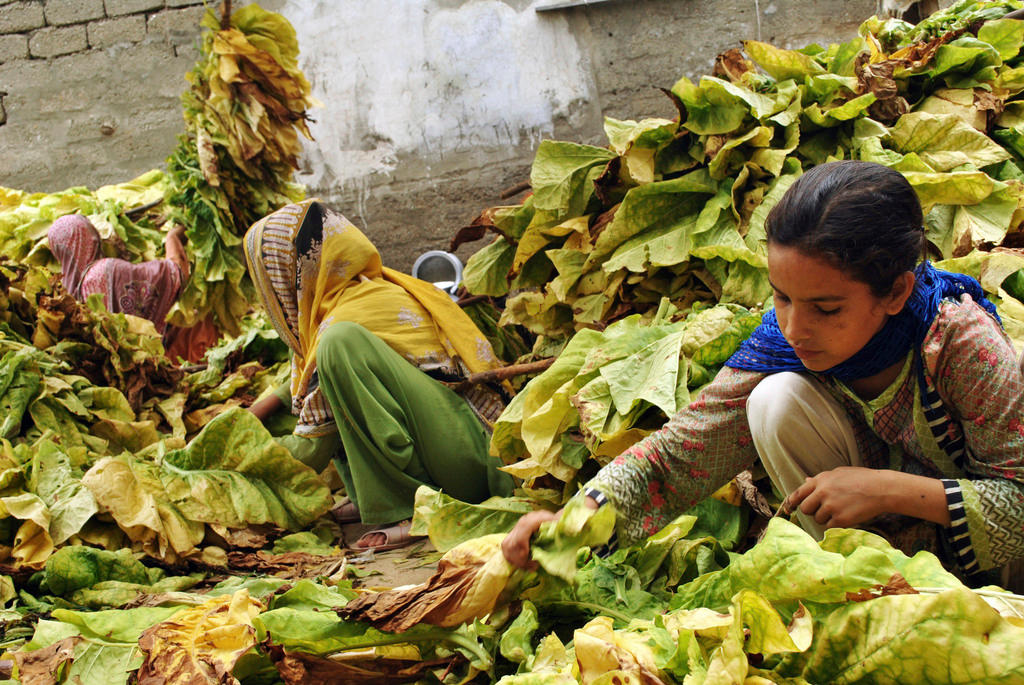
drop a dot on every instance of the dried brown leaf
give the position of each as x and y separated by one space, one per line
40 667
897 585
305 669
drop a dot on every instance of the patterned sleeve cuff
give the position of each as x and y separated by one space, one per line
613 542
957 534
597 496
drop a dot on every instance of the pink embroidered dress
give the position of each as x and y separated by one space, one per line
148 289
968 361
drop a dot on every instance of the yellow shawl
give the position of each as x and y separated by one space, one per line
312 267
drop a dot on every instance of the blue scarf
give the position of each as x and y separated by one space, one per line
767 351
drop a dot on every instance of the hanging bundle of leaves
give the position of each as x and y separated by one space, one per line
244 111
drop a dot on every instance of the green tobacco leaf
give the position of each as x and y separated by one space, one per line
569 264
306 594
557 542
116 593
59 485
1005 35
984 223
18 387
516 642
953 636
235 474
718 520
944 141
964 62
789 565
834 116
615 590
541 411
449 522
559 174
651 206
720 165
652 375
825 88
956 102
741 282
953 188
538 237
782 64
648 556
662 245
648 133
768 633
323 632
77 567
991 269
716 106
956 230
108 650
306 542
132 492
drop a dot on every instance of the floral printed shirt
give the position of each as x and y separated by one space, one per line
969 361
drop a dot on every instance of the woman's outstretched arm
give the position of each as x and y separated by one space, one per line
174 249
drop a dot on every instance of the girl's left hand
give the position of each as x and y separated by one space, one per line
843 497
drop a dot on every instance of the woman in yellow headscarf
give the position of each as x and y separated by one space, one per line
363 340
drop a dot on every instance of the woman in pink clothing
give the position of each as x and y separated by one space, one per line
148 289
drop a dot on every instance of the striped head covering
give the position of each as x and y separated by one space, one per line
312 267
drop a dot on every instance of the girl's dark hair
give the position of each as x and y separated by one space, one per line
860 217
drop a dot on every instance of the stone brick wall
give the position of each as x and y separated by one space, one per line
90 88
44 29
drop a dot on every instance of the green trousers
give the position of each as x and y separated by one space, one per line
398 429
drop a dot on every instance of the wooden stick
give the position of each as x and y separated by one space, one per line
514 190
142 209
504 373
471 299
225 16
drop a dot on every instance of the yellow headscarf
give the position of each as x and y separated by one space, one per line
312 267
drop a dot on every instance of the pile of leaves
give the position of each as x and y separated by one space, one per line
244 111
676 608
151 530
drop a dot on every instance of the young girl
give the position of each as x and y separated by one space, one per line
876 388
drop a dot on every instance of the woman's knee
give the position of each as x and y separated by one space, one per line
337 342
775 402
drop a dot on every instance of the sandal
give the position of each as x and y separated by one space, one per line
396 536
346 512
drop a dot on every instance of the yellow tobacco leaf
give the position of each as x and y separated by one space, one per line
135 498
32 543
600 649
201 644
729 493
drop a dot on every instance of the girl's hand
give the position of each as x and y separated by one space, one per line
843 497
516 545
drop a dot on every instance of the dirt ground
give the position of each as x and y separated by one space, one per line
408 565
